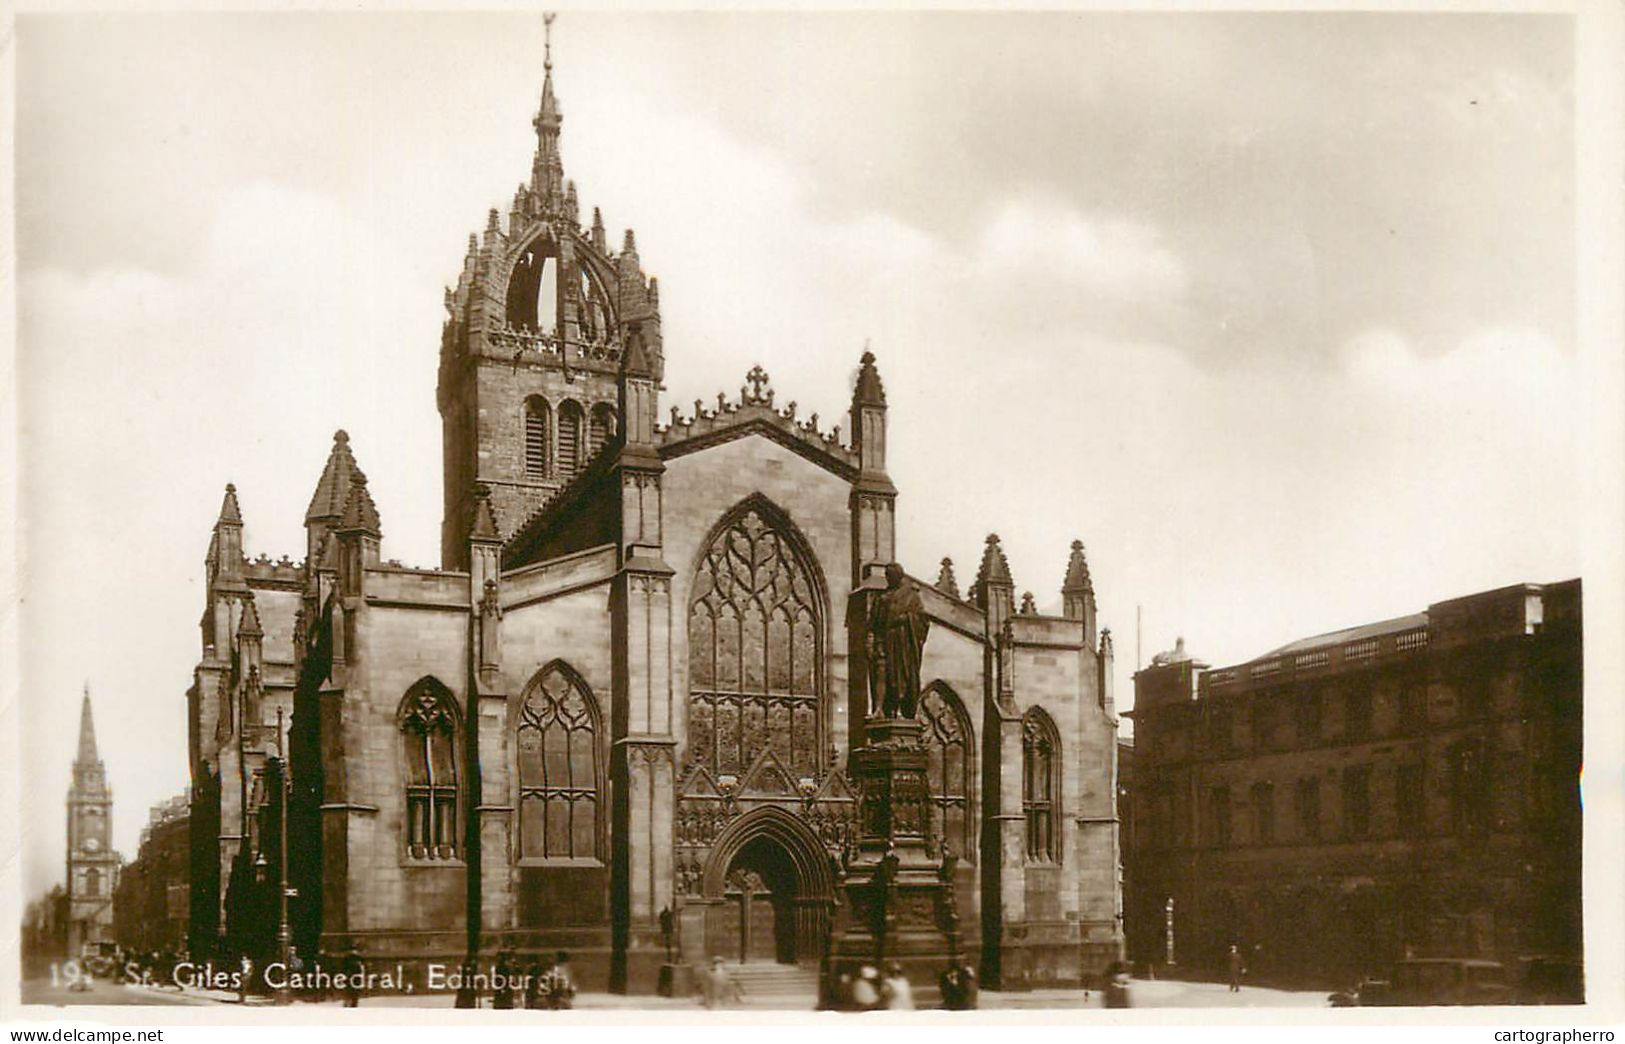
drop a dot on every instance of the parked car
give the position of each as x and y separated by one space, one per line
1423 981
1551 980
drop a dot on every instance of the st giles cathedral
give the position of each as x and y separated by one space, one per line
619 717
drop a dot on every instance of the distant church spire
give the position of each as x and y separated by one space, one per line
88 756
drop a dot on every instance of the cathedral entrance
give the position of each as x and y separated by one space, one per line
767 891
760 891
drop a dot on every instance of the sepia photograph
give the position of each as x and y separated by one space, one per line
799 511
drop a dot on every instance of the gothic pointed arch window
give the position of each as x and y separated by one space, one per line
429 726
93 882
950 752
755 623
560 771
1041 786
538 432
572 426
533 292
599 428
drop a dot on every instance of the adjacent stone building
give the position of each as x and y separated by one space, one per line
152 905
92 865
1407 786
633 685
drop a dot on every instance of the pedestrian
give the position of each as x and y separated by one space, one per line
958 984
533 985
866 989
1237 969
718 989
560 989
354 973
502 993
245 982
1117 986
468 991
895 993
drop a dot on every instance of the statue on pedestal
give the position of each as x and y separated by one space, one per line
897 628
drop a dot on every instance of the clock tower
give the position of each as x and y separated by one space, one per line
92 864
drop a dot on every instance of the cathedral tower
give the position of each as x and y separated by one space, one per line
532 345
92 864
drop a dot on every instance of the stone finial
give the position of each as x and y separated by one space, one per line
1077 571
869 391
1028 606
360 513
599 239
333 488
995 569
629 243
249 625
946 582
759 390
635 359
485 520
230 514
1105 642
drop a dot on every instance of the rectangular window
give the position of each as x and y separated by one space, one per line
1409 799
1413 707
1219 815
1308 800
1309 719
1357 714
1264 813
1357 802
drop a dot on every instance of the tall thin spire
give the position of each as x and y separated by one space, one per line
547 171
88 755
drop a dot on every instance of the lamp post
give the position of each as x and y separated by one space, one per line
284 934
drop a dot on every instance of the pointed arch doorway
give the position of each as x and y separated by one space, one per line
770 891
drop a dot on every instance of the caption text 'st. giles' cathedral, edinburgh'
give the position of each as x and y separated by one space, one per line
633 707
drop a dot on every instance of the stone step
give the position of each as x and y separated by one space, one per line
766 984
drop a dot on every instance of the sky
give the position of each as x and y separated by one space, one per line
1276 312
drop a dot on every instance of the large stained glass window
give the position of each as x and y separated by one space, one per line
754 627
949 746
429 742
559 810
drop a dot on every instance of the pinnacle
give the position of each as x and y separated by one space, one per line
485 519
1077 570
229 512
360 513
250 623
946 581
333 488
994 569
635 363
869 390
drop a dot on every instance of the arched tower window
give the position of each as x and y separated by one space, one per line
1041 785
429 734
753 639
559 809
571 425
600 428
593 310
93 882
950 750
533 291
538 422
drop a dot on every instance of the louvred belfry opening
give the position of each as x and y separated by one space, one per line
754 630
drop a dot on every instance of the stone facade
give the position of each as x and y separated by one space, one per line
634 684
152 905
1409 786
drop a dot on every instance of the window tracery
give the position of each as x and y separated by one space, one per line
429 733
754 626
949 744
557 742
1041 785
